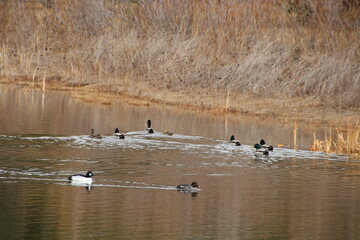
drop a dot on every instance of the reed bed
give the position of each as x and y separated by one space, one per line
344 141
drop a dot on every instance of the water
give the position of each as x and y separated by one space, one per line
44 138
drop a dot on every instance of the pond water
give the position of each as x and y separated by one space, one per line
44 138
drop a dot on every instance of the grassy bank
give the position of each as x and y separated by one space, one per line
281 58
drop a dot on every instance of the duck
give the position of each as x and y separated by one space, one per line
149 129
166 132
259 149
118 134
93 135
193 187
264 145
236 142
81 178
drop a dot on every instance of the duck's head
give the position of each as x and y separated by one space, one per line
92 131
232 138
194 185
149 123
262 142
89 174
257 146
117 130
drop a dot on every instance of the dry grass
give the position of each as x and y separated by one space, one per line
345 141
261 49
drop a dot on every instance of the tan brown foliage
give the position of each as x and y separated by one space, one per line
296 48
344 141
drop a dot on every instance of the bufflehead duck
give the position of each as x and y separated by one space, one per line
264 145
118 134
259 149
82 178
236 142
149 129
193 187
93 135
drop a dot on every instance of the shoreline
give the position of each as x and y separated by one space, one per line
301 110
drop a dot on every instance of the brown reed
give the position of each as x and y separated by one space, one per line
345 141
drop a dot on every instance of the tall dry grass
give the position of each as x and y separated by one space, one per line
261 48
343 141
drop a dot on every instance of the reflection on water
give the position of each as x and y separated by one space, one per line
44 138
31 111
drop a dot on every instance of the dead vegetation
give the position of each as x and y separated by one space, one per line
342 141
258 48
240 50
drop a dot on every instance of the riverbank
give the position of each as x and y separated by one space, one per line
222 56
305 110
294 61
345 124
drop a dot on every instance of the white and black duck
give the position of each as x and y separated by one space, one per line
149 129
119 134
264 145
234 141
81 178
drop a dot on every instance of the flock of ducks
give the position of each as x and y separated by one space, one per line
261 148
122 136
87 178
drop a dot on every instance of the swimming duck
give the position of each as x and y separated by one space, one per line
236 142
166 132
264 145
93 135
193 187
149 129
118 134
259 149
81 178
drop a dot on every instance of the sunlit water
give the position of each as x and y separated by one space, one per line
44 138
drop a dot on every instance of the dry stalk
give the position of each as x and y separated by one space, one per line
295 136
349 145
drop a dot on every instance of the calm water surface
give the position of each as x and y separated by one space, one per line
286 195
